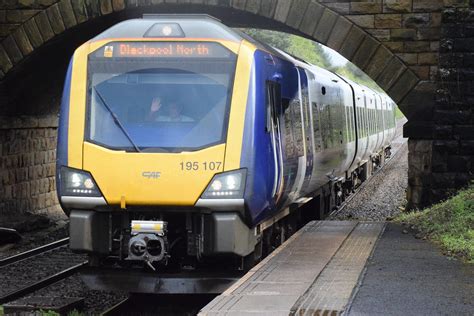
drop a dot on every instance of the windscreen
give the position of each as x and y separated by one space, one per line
159 96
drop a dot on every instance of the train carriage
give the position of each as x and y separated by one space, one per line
182 141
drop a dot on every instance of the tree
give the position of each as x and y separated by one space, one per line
272 38
309 51
300 47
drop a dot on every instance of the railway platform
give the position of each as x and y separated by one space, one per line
354 268
313 271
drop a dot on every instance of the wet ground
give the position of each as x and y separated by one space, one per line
410 276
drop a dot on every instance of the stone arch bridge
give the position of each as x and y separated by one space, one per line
419 51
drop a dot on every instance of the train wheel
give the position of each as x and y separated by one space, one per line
249 261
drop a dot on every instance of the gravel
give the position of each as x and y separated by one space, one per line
28 271
21 274
95 302
384 196
17 275
39 237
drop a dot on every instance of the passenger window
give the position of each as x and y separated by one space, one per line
297 126
290 150
316 123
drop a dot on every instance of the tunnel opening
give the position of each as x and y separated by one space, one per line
33 87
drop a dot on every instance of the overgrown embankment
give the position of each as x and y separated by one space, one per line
449 224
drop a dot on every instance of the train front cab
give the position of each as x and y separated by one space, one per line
124 172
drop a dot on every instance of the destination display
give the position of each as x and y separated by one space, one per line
163 49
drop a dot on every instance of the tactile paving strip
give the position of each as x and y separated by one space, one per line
333 288
275 285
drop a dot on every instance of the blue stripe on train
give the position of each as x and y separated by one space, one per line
257 152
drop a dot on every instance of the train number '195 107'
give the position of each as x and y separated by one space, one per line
196 166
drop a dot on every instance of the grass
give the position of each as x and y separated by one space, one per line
52 313
48 313
449 224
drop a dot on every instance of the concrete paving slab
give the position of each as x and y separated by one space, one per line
331 291
275 285
409 276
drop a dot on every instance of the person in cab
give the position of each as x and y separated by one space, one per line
173 112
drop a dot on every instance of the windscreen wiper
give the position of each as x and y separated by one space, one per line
116 120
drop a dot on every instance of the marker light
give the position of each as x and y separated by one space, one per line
167 30
216 185
77 183
164 30
88 183
227 185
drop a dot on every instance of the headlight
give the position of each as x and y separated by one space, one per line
78 183
227 185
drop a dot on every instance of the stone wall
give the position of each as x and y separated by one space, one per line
27 166
409 28
442 153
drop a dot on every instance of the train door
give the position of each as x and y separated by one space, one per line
307 128
274 108
291 137
375 118
298 129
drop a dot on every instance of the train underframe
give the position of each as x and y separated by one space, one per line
194 250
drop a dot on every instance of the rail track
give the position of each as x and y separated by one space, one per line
35 269
32 270
397 147
163 304
33 252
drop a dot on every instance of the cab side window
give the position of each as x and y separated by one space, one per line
273 104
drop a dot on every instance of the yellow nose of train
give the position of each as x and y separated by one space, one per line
152 120
153 178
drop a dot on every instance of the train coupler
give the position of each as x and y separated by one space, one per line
148 242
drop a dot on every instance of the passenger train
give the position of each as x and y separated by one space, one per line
183 142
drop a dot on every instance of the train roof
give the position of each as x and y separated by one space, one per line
171 26
201 26
325 73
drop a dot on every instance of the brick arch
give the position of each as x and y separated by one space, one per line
318 21
399 43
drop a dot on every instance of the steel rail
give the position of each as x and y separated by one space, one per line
33 252
112 310
13 295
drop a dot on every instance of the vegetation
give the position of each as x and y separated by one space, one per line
311 52
53 313
399 114
48 313
449 224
